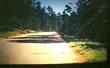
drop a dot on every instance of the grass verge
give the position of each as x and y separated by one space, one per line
92 51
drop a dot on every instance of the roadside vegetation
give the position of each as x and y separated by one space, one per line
8 34
92 51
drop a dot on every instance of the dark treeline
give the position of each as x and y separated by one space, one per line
14 14
88 22
92 19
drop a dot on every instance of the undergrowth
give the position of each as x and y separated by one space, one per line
92 51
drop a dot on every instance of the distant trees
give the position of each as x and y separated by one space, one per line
88 22
43 18
26 14
69 18
38 16
64 27
52 18
68 9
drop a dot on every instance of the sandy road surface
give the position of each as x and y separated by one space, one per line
36 48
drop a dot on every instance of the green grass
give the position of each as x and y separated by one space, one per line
92 51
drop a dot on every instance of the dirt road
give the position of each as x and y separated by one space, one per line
36 48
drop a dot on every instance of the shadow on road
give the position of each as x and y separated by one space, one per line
37 39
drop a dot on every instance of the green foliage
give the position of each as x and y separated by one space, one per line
26 14
93 51
88 23
96 55
14 14
91 16
42 20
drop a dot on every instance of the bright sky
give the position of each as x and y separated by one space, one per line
57 5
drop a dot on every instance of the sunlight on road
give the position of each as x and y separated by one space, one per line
37 53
